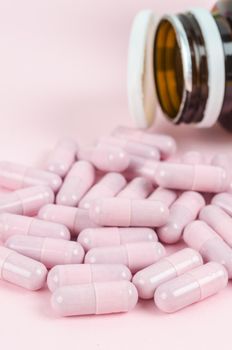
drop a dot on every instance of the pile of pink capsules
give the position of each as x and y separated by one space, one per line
96 223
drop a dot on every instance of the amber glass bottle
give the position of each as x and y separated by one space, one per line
193 66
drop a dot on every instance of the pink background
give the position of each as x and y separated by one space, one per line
62 72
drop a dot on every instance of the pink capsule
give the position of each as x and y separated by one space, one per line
67 275
191 287
198 235
128 212
107 187
140 167
219 221
113 236
74 219
132 147
163 195
184 210
49 251
95 298
165 144
62 157
138 188
21 270
107 159
201 178
149 279
77 182
135 256
193 157
224 201
11 224
26 201
16 176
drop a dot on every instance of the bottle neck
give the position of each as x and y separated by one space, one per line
193 66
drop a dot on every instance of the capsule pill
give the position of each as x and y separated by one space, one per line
15 176
135 256
107 159
49 251
191 287
62 157
94 298
126 212
21 270
184 210
77 182
11 224
201 178
26 201
66 275
113 236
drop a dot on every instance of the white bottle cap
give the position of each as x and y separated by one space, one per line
141 82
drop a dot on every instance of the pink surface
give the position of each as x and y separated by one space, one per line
63 67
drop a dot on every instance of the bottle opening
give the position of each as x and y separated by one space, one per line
168 70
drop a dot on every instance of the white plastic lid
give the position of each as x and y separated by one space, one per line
141 82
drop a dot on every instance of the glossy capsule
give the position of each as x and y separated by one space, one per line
200 236
77 182
15 176
107 159
21 270
219 221
135 256
62 157
165 144
138 188
75 219
191 287
163 195
11 224
26 201
94 298
201 178
149 279
224 201
128 212
113 236
132 147
184 210
109 186
66 275
49 251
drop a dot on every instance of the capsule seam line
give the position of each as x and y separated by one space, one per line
166 259
95 295
42 250
29 227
